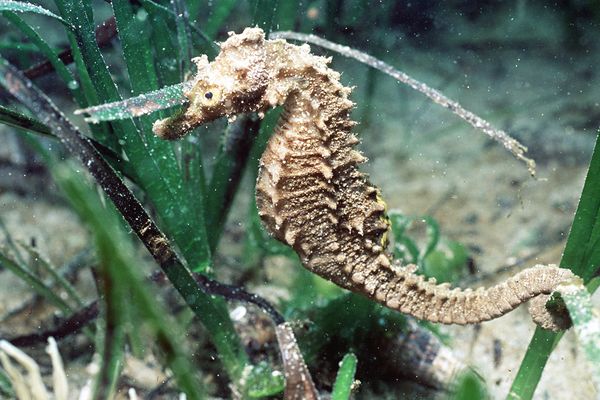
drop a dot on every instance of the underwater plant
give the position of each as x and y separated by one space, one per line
310 192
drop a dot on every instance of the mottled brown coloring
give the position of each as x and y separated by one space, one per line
311 194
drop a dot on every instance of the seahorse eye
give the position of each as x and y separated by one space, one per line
209 97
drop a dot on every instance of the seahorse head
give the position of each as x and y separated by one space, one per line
234 82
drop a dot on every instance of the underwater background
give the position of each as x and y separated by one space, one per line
461 206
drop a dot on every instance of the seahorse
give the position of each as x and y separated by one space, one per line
312 196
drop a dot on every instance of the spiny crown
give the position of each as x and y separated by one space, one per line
234 81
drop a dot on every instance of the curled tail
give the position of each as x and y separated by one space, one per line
412 294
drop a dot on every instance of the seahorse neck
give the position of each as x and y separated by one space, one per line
321 105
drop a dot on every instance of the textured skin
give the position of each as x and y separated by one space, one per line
311 195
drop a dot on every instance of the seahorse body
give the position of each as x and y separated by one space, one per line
311 195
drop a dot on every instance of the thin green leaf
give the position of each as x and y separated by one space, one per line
399 222
263 381
407 250
143 104
11 243
38 285
581 256
264 14
17 120
586 324
136 48
18 6
52 56
582 252
433 236
212 312
5 385
286 14
153 159
342 387
165 44
123 283
229 166
102 133
469 387
206 45
182 22
19 47
220 12
195 181
52 270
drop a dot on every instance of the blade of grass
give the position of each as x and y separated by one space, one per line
255 234
182 22
433 236
585 322
104 35
220 12
11 243
25 123
22 7
263 14
581 255
227 173
19 47
136 48
342 387
104 132
206 44
165 48
124 283
18 120
211 312
111 336
39 286
191 157
5 385
154 159
582 252
52 270
143 104
63 72
195 183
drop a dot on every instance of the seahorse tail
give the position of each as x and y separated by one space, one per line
425 299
